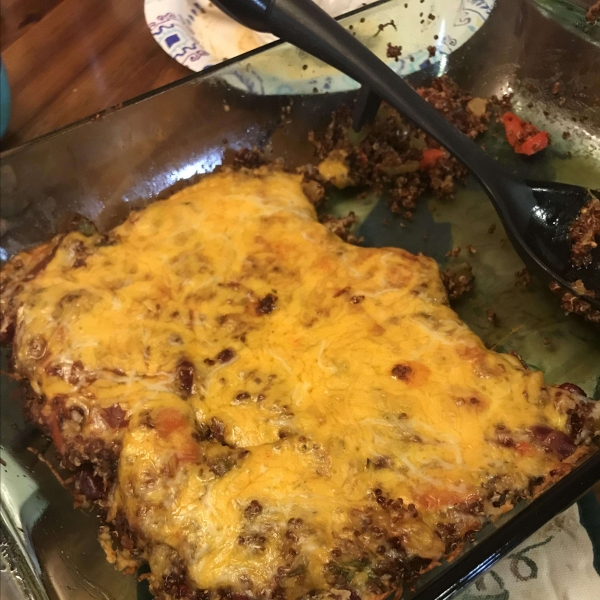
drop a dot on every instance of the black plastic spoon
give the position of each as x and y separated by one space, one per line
536 215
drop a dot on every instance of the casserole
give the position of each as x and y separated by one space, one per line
129 156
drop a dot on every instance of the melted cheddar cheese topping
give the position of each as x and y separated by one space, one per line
277 391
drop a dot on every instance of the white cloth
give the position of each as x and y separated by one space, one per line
556 563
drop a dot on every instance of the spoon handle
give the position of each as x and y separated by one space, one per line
307 26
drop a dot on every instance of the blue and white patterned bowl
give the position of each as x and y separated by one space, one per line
198 35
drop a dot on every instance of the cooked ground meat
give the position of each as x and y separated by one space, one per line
583 233
394 155
458 280
593 12
313 190
393 51
569 302
342 227
522 278
249 158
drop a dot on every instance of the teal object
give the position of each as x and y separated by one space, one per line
4 100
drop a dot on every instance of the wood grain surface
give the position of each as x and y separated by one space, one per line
67 59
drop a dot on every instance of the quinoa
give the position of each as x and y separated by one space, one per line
593 13
389 155
584 232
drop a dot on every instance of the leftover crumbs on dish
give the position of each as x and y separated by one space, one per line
584 233
574 303
261 409
593 12
393 154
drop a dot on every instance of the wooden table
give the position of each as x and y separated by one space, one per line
67 59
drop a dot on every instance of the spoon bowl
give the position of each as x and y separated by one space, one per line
558 204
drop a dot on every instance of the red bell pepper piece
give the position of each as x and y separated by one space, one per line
524 137
534 144
430 157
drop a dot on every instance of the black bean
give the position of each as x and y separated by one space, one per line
90 484
185 377
571 387
226 355
266 305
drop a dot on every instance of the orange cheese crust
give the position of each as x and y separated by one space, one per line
263 410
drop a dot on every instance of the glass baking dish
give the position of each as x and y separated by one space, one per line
105 166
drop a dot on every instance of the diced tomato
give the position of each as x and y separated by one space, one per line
188 451
513 126
430 157
169 420
534 144
524 448
433 497
172 422
524 137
